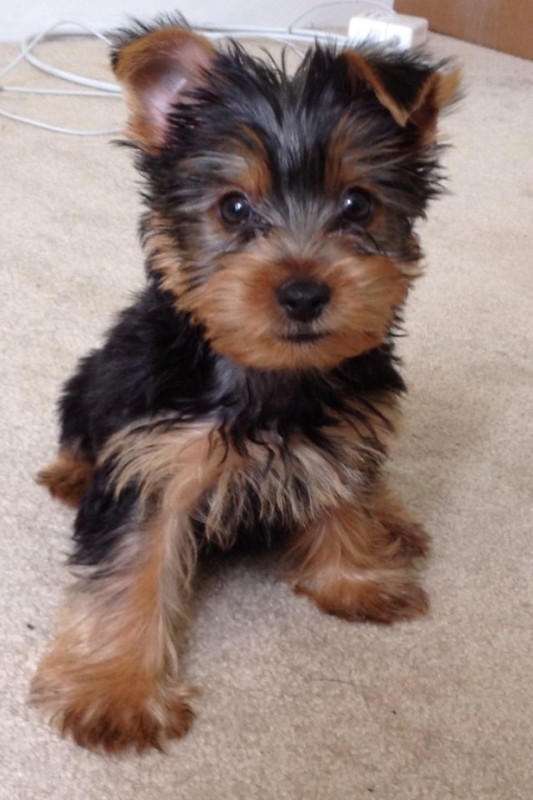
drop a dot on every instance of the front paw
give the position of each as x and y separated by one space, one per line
384 596
103 714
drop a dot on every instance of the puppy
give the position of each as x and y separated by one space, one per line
251 392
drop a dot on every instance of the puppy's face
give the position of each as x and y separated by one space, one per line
282 208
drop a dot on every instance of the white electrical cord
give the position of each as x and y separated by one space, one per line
290 36
363 7
97 88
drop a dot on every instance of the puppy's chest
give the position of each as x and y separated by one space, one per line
282 486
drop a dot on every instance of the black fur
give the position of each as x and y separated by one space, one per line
155 359
246 92
156 362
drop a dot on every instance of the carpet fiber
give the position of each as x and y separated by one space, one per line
296 705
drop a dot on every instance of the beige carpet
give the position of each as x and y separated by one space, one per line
296 705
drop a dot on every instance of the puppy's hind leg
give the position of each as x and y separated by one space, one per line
68 476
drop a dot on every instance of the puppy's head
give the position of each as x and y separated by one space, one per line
281 208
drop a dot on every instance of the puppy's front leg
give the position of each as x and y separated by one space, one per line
112 677
355 561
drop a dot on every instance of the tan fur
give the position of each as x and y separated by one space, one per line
436 92
244 322
68 476
254 178
193 468
233 294
163 257
112 677
403 528
347 165
355 567
360 68
238 307
153 70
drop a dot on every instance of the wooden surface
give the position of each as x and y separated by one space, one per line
505 25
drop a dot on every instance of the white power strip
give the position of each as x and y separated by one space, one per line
396 30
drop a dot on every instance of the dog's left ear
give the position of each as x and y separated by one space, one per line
409 88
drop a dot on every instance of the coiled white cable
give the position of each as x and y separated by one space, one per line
291 37
97 88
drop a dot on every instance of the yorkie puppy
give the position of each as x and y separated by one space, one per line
251 391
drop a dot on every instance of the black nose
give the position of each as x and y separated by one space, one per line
303 300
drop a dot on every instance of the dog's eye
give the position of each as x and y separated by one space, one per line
357 205
235 209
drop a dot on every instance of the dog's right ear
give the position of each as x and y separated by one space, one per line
158 68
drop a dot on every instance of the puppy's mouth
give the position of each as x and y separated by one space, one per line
307 337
